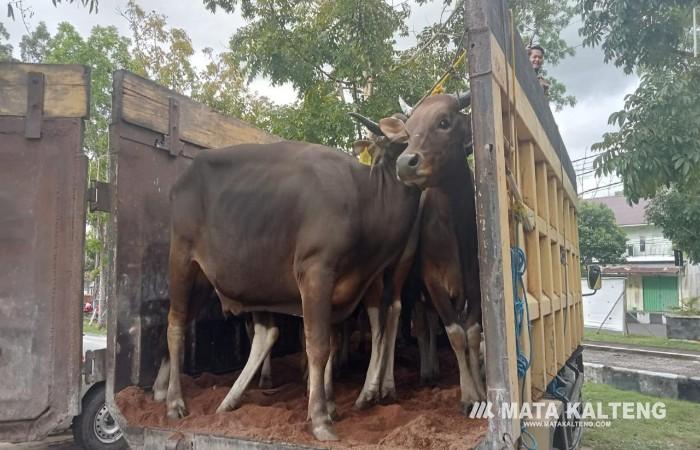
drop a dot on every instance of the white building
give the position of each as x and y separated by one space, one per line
656 277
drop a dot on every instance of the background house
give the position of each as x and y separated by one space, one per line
657 277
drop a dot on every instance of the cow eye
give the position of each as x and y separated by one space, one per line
444 124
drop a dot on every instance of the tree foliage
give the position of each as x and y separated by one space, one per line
656 150
600 239
342 56
639 34
5 46
677 212
658 141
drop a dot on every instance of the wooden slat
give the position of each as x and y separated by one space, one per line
66 89
528 117
542 190
556 268
527 175
147 105
550 344
553 204
546 271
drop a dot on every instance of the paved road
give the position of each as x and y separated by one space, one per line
685 367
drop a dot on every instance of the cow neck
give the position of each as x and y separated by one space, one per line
457 187
390 193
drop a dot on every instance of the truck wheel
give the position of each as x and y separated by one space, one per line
95 428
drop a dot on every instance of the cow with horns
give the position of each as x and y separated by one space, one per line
293 228
289 228
437 141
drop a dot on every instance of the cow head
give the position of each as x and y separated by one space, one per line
436 136
382 149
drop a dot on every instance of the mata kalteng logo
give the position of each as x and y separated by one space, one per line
573 411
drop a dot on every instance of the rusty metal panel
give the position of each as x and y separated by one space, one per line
146 160
141 177
42 231
141 236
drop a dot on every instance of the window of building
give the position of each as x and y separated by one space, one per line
642 244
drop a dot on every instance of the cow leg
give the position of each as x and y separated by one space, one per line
474 342
420 326
426 322
458 342
328 377
183 272
264 337
316 287
160 386
433 330
343 358
265 372
388 386
370 390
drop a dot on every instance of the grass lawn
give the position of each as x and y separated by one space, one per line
679 430
92 329
650 341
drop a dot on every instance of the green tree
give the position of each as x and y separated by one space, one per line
104 51
5 46
537 21
678 214
342 56
658 141
32 47
159 52
600 239
656 150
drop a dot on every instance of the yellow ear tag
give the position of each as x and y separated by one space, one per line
365 156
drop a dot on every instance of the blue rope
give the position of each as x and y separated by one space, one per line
522 311
518 263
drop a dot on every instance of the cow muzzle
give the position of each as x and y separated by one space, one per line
408 166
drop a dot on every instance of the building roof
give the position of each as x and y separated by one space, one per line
624 213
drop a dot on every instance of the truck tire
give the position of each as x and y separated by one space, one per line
94 428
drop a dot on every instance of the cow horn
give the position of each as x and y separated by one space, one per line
464 99
369 123
405 107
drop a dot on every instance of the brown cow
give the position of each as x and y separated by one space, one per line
437 136
289 228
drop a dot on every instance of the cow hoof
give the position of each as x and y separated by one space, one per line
324 432
366 399
332 412
177 409
228 406
388 395
265 383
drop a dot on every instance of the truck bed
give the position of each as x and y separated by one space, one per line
423 417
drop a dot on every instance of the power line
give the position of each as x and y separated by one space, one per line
600 188
584 158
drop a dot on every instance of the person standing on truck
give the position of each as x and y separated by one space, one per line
536 55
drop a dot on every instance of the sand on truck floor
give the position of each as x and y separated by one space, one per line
422 417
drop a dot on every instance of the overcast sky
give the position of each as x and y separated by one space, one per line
599 88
